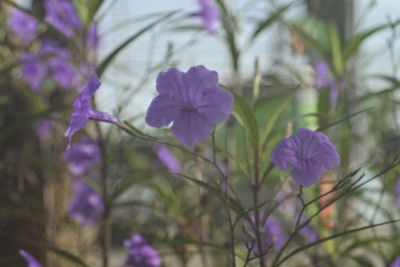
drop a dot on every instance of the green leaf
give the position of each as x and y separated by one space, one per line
106 62
336 50
125 185
246 118
354 44
274 117
94 5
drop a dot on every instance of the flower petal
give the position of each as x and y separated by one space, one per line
101 116
162 111
310 173
171 84
284 155
216 104
199 80
190 127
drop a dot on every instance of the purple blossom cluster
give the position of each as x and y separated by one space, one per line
325 79
24 26
32 262
140 253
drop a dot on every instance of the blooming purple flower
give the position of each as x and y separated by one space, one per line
62 15
43 128
86 205
168 159
193 101
309 153
140 253
396 262
209 14
82 156
82 109
324 78
34 70
23 25
32 262
63 72
309 233
51 47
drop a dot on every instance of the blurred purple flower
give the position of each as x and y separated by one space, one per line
324 78
63 72
23 25
396 262
82 156
43 128
62 15
273 234
140 253
193 101
86 205
32 262
310 153
34 70
209 14
168 159
51 47
83 111
92 37
309 233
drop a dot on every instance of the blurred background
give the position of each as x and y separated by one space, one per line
279 45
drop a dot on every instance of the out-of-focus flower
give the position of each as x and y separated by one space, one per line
63 72
43 128
23 25
83 111
34 70
209 15
92 37
193 101
309 233
396 262
309 153
140 253
273 234
62 15
324 78
32 262
82 156
168 159
52 48
86 205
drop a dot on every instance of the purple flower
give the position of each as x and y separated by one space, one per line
24 26
209 14
51 47
324 78
82 156
273 234
309 233
397 194
396 262
61 14
140 253
86 205
32 262
309 153
43 128
92 38
34 70
193 101
82 109
168 159
63 72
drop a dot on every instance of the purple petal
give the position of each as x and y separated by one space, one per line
396 262
51 47
34 70
322 75
199 80
43 128
162 111
32 262
168 159
86 205
92 38
62 15
209 14
171 84
63 72
23 25
284 155
216 104
309 173
190 127
140 253
309 233
101 116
